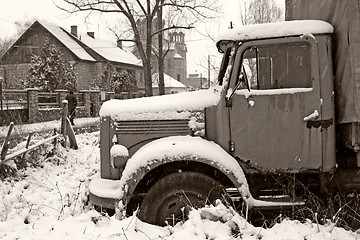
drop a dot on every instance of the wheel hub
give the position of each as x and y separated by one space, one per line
175 207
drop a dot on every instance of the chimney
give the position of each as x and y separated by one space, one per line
91 34
119 43
74 30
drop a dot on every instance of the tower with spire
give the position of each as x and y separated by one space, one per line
174 46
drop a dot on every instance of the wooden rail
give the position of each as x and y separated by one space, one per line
14 99
5 145
25 150
66 131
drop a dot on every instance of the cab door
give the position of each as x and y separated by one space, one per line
276 94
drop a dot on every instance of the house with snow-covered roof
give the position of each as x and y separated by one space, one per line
88 54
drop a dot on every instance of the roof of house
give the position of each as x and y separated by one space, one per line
78 45
110 51
67 40
168 81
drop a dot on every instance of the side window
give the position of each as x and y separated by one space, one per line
277 66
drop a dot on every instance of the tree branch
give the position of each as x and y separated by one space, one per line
172 27
195 9
81 7
141 6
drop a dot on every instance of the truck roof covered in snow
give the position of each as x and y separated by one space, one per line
276 29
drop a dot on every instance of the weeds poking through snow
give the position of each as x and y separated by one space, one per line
76 199
61 200
135 214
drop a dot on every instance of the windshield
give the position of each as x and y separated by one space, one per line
227 62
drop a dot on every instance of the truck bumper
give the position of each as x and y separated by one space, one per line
104 192
103 202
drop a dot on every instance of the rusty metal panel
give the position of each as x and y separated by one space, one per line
327 105
271 135
107 132
349 134
217 123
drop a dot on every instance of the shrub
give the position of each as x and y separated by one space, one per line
50 71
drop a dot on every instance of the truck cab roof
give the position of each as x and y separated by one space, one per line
275 29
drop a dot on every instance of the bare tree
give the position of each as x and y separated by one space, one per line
161 55
256 12
250 12
173 21
260 11
133 10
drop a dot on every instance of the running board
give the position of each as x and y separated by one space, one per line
276 203
267 202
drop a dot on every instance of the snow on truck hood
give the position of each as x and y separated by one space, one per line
174 106
277 29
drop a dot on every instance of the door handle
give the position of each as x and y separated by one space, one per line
312 116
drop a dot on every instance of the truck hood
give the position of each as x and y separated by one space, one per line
165 107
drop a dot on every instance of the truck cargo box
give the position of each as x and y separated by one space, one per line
344 15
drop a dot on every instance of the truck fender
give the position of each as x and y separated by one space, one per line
181 148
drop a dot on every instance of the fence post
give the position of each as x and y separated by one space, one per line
33 104
95 102
86 101
134 95
61 95
64 111
1 94
141 94
111 95
5 145
22 162
124 95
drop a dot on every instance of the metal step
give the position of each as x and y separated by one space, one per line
269 201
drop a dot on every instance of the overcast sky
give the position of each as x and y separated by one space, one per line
199 47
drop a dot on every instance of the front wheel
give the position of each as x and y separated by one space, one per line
170 198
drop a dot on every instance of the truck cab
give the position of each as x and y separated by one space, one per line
279 103
268 128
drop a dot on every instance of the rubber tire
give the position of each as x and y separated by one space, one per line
168 197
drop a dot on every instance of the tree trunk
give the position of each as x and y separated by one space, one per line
147 63
147 78
161 55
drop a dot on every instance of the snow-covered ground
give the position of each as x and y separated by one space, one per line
50 201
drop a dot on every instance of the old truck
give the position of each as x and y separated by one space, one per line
282 120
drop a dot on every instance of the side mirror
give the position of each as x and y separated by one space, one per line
242 83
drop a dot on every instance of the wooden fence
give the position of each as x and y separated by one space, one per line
13 99
66 131
19 99
31 105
